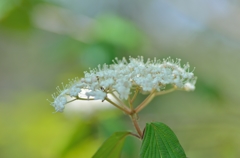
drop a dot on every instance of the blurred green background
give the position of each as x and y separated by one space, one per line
46 42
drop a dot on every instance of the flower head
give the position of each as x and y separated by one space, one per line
123 76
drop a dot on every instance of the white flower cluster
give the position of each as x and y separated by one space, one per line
122 76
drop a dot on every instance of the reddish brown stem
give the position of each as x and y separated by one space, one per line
135 123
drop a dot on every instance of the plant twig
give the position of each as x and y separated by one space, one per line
119 107
129 103
122 104
134 96
133 134
135 123
145 102
165 92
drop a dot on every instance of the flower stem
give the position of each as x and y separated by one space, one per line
122 103
119 107
135 123
134 96
129 103
78 98
145 102
165 92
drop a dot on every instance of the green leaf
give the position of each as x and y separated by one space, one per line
112 147
159 141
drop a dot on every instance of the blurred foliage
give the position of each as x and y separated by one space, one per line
35 59
7 6
116 31
16 13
